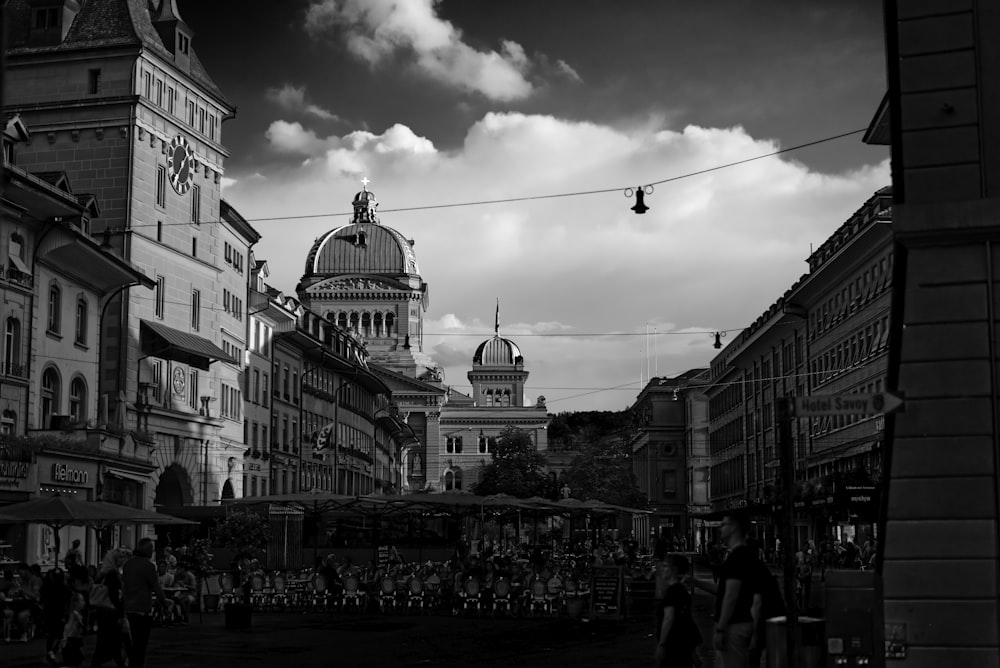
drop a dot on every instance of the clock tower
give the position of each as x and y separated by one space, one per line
136 120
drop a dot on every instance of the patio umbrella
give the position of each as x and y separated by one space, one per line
58 511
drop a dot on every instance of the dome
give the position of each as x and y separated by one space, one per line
362 248
498 351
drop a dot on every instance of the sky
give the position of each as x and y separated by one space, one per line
443 102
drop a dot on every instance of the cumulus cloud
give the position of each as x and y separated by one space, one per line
713 252
293 98
377 30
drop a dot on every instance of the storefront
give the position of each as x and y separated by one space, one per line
66 475
18 478
125 488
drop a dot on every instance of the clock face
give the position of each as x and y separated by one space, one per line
179 381
179 164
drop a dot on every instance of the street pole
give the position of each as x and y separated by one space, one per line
787 454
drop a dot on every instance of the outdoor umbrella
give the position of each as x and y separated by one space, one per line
58 511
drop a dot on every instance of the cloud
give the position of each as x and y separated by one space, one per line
713 252
377 30
293 98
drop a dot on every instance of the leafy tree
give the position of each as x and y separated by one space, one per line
247 534
516 468
604 474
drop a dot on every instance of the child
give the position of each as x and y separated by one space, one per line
72 640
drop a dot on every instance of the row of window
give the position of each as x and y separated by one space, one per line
232 304
54 319
232 403
165 95
233 257
485 444
378 324
496 397
867 285
51 398
851 351
727 476
726 435
260 338
821 425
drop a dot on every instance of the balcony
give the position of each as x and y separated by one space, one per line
18 277
16 370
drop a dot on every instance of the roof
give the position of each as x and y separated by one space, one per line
362 248
498 351
102 23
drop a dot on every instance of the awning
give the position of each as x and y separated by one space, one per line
19 264
173 344
126 475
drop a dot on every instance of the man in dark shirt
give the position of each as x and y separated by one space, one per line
733 596
140 584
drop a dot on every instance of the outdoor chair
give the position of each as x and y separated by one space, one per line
227 590
258 596
502 598
432 591
279 593
387 598
471 595
538 602
352 597
320 597
554 594
415 594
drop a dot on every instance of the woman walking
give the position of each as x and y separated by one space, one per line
110 619
677 634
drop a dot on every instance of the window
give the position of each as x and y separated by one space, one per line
159 296
225 300
8 423
194 246
669 479
482 444
201 120
195 309
161 186
55 305
93 81
193 389
81 321
171 96
159 231
155 378
211 127
159 92
182 43
12 347
196 204
147 85
78 400
50 396
190 112
263 391
47 18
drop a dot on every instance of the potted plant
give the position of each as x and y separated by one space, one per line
197 558
246 535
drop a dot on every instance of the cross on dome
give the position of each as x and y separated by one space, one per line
365 182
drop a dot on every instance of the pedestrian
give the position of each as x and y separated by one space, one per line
139 585
677 635
767 603
55 597
733 595
110 613
804 576
72 640
74 557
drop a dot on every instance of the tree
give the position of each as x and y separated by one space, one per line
246 534
605 474
516 468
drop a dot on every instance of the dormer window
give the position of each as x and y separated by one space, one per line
183 43
47 18
51 20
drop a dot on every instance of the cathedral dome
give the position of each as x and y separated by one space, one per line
498 351
364 246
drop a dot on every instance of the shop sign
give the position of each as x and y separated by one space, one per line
607 590
65 473
252 466
14 469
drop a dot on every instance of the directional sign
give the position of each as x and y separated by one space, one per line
846 404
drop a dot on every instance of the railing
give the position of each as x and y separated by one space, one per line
16 276
16 370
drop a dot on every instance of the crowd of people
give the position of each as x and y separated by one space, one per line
119 599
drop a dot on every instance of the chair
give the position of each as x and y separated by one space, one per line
415 594
352 595
320 598
432 591
554 594
537 601
471 595
387 598
227 590
258 597
502 596
279 593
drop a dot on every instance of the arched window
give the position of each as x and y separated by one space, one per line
491 444
489 398
449 480
353 321
342 320
81 320
505 399
482 444
377 323
227 490
55 308
390 322
78 399
12 347
366 324
50 396
458 478
449 445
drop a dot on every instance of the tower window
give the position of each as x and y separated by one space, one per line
93 81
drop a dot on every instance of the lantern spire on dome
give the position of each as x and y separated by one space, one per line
496 325
365 205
